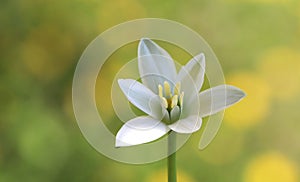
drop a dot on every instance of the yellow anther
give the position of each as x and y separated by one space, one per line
167 89
177 88
181 98
165 102
160 91
169 99
174 101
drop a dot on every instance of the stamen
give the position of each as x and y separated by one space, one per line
167 89
169 99
174 101
160 91
177 88
181 98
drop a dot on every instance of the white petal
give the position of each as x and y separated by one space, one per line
187 125
155 65
142 97
191 78
175 113
190 105
140 130
218 98
195 68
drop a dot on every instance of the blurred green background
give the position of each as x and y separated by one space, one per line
256 41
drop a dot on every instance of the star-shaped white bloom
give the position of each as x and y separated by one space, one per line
172 101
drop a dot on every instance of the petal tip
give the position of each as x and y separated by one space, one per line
239 92
120 80
119 144
243 94
144 41
122 83
200 57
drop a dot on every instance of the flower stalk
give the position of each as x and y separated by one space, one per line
172 174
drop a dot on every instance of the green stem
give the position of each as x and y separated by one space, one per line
172 177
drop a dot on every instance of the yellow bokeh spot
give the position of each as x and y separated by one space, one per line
118 11
254 107
280 67
47 52
162 176
271 167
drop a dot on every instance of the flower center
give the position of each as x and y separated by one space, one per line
170 98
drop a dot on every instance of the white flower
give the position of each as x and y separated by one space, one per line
172 101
